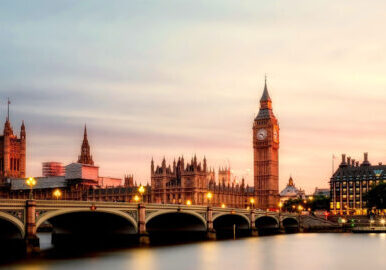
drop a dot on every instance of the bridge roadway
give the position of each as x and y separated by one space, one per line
20 219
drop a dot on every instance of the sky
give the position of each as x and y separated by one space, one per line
170 78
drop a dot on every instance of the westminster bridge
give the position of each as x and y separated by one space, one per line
21 219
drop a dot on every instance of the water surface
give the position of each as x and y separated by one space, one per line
289 252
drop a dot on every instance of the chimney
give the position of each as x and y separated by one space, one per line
343 164
357 163
353 162
349 161
366 160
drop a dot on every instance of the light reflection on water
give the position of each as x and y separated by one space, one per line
290 252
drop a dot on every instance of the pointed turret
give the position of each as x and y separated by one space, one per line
265 97
265 111
152 165
22 131
85 155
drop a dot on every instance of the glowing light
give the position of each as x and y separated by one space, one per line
141 189
209 195
31 182
252 200
383 221
57 193
136 198
223 205
188 202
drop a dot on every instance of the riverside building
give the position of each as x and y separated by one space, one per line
350 182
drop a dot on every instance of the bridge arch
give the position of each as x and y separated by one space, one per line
164 212
14 221
244 217
267 223
55 213
290 224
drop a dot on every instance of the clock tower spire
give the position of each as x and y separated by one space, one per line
266 154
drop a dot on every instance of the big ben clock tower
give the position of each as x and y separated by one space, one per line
266 154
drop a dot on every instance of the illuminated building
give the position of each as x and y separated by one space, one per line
351 181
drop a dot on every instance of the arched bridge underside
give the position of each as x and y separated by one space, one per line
98 222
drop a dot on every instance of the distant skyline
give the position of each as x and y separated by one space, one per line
170 78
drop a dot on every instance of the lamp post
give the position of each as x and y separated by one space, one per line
300 208
209 196
31 182
136 198
383 221
57 193
141 191
223 205
280 206
188 202
252 201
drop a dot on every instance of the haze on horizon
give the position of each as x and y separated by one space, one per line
166 78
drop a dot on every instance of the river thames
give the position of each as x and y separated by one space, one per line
290 252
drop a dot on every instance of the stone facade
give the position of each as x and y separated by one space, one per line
291 192
12 153
351 181
266 154
179 183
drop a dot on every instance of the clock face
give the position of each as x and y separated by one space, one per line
261 134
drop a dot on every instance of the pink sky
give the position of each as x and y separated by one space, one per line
172 79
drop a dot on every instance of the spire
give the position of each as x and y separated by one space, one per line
85 132
265 96
85 155
22 130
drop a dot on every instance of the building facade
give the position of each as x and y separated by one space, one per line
266 154
12 153
52 168
291 192
178 183
350 182
190 183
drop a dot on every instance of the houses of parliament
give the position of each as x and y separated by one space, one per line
182 182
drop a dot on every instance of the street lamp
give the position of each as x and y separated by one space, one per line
209 196
280 206
188 202
252 201
372 222
136 198
57 193
300 208
31 182
223 205
141 190
383 221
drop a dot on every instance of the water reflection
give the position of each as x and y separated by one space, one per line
290 252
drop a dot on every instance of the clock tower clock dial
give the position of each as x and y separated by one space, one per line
266 154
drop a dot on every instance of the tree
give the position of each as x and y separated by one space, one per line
376 197
318 202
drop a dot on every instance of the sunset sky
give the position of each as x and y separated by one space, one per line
166 78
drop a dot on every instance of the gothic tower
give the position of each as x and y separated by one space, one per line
85 155
12 152
266 154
